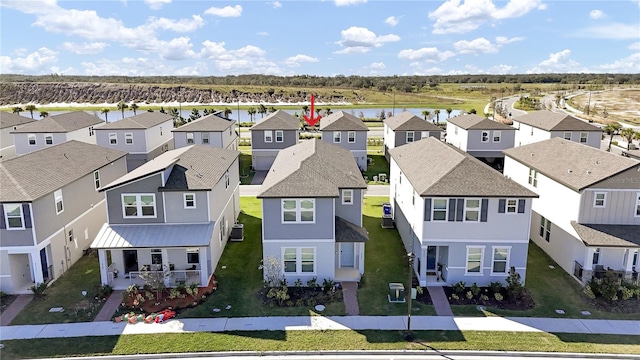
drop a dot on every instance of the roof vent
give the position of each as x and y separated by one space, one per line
597 162
569 171
588 171
531 154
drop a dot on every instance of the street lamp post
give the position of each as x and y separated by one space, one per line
407 335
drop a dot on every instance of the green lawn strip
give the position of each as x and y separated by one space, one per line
261 341
246 175
66 292
385 262
380 165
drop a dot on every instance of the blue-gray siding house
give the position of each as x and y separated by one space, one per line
277 131
210 130
347 131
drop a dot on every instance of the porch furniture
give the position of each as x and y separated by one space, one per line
598 271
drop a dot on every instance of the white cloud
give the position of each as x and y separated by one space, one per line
542 6
294 61
503 40
615 31
559 62
84 48
181 26
500 69
456 17
263 33
431 54
156 4
630 64
349 2
276 4
476 46
634 46
246 60
227 11
38 62
378 66
175 49
392 20
596 14
361 40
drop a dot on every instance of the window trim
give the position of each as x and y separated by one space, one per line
343 197
482 136
96 179
545 229
595 260
514 206
35 140
128 136
466 208
533 177
466 263
595 199
349 137
113 138
193 251
339 137
204 138
498 134
298 260
48 136
281 134
586 137
185 201
298 211
564 136
6 217
268 136
227 179
58 197
413 137
506 261
139 206
433 209
424 134
191 138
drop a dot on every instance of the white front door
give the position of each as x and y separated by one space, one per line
347 255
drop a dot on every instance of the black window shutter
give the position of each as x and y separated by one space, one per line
484 207
452 210
27 215
502 203
521 203
427 209
460 210
2 224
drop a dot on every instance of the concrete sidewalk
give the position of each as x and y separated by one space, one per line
291 323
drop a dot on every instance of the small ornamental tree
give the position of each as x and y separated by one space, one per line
514 284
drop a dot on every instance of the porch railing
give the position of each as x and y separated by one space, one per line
175 277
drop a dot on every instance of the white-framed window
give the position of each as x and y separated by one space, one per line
193 256
584 136
637 214
57 195
31 138
156 259
485 136
113 139
222 232
138 205
425 134
160 130
439 210
545 228
96 179
227 180
475 255
472 210
279 136
48 139
351 136
500 261
191 138
567 135
299 260
600 199
410 136
497 136
347 197
336 136
596 257
13 216
189 200
70 235
268 136
635 258
205 137
512 206
533 177
90 130
128 138
298 210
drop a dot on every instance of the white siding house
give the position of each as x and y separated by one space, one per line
543 125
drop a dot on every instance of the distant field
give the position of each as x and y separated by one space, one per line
621 104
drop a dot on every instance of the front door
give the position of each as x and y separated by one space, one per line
44 264
432 253
347 255
130 260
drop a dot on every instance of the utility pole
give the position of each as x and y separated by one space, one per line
589 102
407 335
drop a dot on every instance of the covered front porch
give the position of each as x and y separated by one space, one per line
431 265
350 240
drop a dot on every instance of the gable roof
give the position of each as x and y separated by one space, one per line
61 123
551 121
312 168
435 168
8 119
279 120
406 121
342 121
572 164
144 120
31 176
210 122
195 167
475 122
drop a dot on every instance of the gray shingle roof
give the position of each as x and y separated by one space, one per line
279 120
195 167
312 168
61 123
342 121
347 231
475 122
31 176
435 168
8 119
572 164
206 123
551 121
144 120
406 121
608 235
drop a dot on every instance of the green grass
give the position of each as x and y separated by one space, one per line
66 292
262 341
380 165
246 175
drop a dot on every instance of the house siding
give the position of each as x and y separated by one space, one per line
289 138
475 144
17 237
359 144
325 260
83 135
147 185
323 228
353 212
458 140
156 138
139 145
620 207
176 213
21 142
594 138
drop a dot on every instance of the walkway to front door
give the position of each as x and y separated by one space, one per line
439 300
350 296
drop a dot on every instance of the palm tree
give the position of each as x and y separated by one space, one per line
43 114
629 134
17 110
328 111
449 110
122 107
252 112
305 109
30 108
611 130
134 107
272 109
426 114
262 110
227 112
437 112
105 111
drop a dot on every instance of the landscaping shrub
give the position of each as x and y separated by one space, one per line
459 287
39 290
514 284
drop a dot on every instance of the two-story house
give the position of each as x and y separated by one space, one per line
481 137
587 217
347 131
312 213
143 136
542 125
8 123
56 129
277 131
462 220
170 218
406 128
210 130
51 210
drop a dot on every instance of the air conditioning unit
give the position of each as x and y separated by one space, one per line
237 232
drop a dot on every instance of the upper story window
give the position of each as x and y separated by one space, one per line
160 130
139 205
532 131
545 228
439 210
190 138
485 136
268 136
600 199
48 139
113 139
13 216
533 177
471 209
189 201
425 134
347 196
351 136
336 136
497 136
455 130
410 136
128 138
57 195
279 136
567 135
584 136
32 139
96 179
512 206
90 130
205 137
298 210
227 180
637 214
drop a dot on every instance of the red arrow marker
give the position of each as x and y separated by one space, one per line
310 119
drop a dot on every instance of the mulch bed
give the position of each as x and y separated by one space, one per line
5 301
302 296
524 303
631 306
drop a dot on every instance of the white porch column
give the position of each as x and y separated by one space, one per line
360 252
165 265
589 264
104 268
36 267
204 272
628 260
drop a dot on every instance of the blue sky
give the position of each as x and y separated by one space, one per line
348 37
